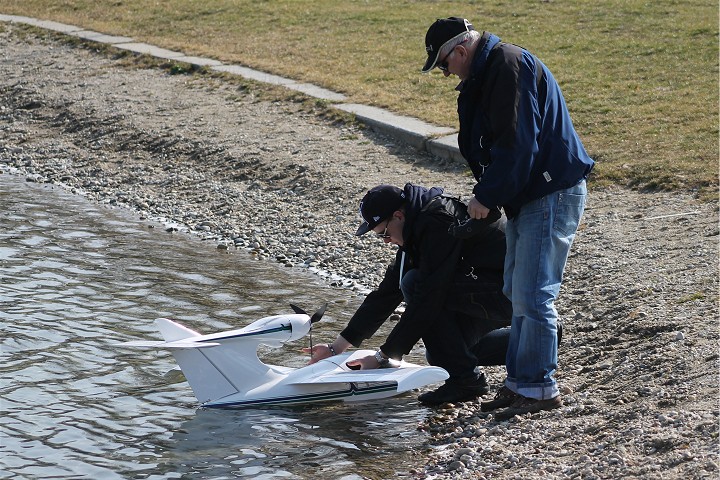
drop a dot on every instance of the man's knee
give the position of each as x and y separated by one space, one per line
407 284
488 306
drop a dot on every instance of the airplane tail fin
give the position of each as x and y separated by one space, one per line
211 367
205 379
172 331
223 364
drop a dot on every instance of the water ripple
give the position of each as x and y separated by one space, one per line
77 278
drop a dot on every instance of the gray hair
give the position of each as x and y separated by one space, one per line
470 37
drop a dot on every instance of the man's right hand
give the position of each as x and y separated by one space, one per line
476 209
319 352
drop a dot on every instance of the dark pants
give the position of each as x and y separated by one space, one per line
473 328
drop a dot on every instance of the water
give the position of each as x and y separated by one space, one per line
76 278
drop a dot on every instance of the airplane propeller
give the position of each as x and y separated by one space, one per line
298 310
318 314
315 318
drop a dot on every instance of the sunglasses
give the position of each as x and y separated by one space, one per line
384 234
444 64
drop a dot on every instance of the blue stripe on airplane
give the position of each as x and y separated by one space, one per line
352 391
248 334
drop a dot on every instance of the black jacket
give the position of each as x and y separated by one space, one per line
438 256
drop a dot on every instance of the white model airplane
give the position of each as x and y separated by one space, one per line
223 369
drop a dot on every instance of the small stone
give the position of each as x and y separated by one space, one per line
566 390
604 365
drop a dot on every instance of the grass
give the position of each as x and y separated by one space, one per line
640 77
693 297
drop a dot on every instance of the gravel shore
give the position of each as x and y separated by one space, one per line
639 360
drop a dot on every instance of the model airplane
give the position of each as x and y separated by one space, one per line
223 369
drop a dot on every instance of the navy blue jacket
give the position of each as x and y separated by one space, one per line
515 129
438 256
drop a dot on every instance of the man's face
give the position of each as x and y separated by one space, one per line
455 62
390 231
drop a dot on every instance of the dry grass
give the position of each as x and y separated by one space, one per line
640 78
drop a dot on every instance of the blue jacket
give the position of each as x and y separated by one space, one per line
515 129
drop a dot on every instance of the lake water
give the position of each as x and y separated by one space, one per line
77 277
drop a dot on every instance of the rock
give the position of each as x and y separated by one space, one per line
640 350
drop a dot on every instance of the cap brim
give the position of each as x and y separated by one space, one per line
363 229
430 64
432 61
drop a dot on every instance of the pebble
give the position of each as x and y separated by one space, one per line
636 366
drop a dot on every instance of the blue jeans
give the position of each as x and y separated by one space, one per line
538 244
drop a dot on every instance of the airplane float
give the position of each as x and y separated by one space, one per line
224 371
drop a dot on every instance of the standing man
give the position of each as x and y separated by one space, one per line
517 136
450 277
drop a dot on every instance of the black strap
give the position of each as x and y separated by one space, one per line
539 73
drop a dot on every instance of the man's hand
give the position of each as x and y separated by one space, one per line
319 352
365 363
476 209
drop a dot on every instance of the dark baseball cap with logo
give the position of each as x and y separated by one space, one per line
378 204
440 33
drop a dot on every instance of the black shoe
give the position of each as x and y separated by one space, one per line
456 391
523 405
503 398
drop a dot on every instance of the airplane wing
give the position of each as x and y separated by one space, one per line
333 370
407 378
175 344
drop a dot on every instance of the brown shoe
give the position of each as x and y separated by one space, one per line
523 405
503 398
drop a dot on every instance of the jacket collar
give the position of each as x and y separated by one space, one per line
485 45
417 198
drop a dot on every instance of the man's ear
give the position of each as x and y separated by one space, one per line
461 50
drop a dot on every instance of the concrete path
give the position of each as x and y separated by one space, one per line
439 141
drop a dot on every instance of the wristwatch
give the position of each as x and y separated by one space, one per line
385 362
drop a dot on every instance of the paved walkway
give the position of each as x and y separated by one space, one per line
439 141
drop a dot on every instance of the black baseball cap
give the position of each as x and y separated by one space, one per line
440 33
378 204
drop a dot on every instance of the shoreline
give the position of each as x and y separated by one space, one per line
638 365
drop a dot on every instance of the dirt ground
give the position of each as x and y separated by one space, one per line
639 362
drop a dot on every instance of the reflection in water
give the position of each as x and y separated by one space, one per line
307 442
76 278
